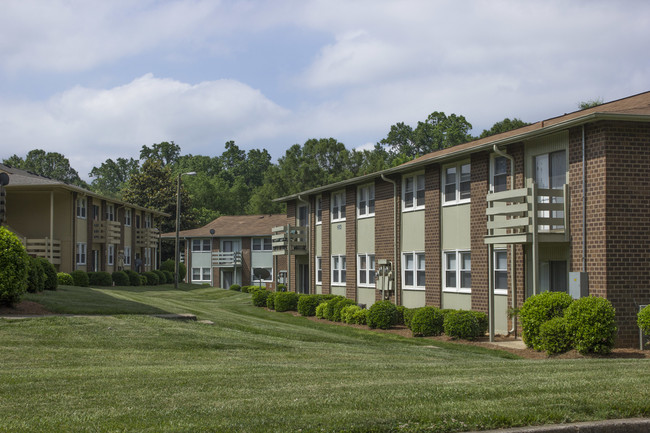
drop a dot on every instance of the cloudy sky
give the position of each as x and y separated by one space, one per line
98 79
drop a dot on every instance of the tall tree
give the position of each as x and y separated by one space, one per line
503 126
167 152
49 164
111 176
590 103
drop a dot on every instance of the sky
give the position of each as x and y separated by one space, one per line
97 79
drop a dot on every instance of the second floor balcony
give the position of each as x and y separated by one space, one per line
226 259
289 240
146 238
107 232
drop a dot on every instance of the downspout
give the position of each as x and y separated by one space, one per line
308 229
584 204
395 234
513 287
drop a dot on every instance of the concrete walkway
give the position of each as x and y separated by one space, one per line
631 425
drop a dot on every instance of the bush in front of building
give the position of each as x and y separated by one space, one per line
340 305
307 305
483 324
100 278
320 310
591 321
134 278
120 278
408 314
400 314
539 309
64 279
461 324
169 266
382 315
282 288
152 278
354 315
51 281
360 316
328 312
427 321
14 266
143 280
643 319
162 279
169 276
35 276
270 300
259 297
286 301
555 337
235 287
80 278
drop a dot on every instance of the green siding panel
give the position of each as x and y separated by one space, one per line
366 235
413 298
413 231
456 227
337 236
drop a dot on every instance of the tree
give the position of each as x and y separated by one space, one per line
167 152
503 126
49 164
111 176
590 103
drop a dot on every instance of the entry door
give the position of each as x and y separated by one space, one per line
96 260
303 278
227 279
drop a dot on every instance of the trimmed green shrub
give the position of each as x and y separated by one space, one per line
591 322
35 276
162 279
235 287
65 279
320 310
168 265
331 305
361 316
120 278
400 314
51 281
554 336
483 324
270 300
143 280
461 324
100 279
539 309
427 321
169 276
245 289
14 266
151 278
286 301
80 278
347 313
382 315
259 297
643 319
307 304
134 278
282 287
408 316
336 311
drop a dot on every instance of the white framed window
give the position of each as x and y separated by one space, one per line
413 270
457 182
110 212
200 274
127 255
267 279
338 206
147 221
81 253
319 270
366 201
200 245
127 217
338 270
147 256
82 206
413 192
457 271
302 216
262 244
499 171
366 270
111 254
319 210
500 272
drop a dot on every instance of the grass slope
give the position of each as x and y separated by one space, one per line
259 371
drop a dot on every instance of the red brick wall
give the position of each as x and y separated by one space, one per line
246 261
385 240
325 249
351 242
432 246
291 219
478 230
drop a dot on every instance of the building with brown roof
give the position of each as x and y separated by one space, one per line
559 205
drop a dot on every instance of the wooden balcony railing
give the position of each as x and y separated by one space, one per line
107 232
226 259
289 239
146 238
49 249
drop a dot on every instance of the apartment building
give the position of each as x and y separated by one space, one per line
77 229
562 204
232 249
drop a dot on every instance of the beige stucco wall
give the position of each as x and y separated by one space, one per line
412 231
338 290
337 238
413 298
366 235
456 301
318 247
456 227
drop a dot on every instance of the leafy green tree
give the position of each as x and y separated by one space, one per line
504 125
167 152
590 103
111 176
49 164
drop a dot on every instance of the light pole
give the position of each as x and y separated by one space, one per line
178 223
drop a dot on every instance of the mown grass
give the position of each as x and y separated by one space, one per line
258 371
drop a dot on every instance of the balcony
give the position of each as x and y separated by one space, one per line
146 238
226 259
289 240
528 215
49 249
107 232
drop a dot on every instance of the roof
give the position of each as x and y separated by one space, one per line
25 180
632 108
235 226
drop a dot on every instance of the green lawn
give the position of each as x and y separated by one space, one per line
258 371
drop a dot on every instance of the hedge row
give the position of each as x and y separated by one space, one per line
118 278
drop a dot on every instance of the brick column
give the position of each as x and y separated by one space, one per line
246 261
432 246
291 217
478 230
351 242
385 240
326 258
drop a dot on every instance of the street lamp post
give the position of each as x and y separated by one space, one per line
178 223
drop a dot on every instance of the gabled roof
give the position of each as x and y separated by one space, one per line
632 108
234 226
25 180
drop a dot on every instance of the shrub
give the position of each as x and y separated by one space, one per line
282 287
64 279
134 278
461 324
80 278
35 276
400 314
592 324
259 297
643 319
14 265
169 276
120 278
51 281
235 287
100 279
168 265
382 315
162 279
347 313
151 278
408 316
539 309
286 301
143 280
336 310
270 300
320 310
361 316
331 305
554 336
245 289
427 321
307 304
483 324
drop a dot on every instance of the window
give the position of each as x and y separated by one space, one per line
413 269
413 192
366 269
147 256
266 274
262 244
302 216
500 272
111 254
200 274
200 245
338 206
457 271
110 212
366 201
319 270
95 212
553 276
319 210
457 181
550 173
338 270
147 221
127 217
500 171
81 253
81 207
127 256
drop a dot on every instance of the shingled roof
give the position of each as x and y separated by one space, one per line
235 226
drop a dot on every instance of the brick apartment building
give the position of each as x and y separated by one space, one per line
562 204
